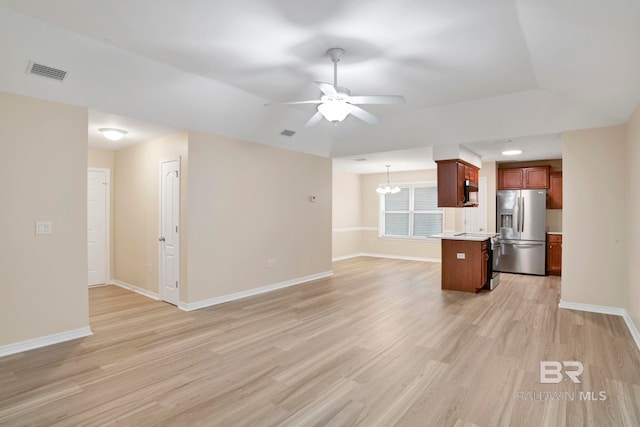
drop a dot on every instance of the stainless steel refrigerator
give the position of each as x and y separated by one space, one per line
522 222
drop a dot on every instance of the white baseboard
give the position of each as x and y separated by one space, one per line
34 343
130 287
251 292
405 258
632 328
342 258
603 309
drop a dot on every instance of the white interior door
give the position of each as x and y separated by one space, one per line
98 225
170 230
475 219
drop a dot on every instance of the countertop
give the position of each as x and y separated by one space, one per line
555 232
477 237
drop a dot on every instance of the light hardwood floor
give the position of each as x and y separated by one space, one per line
378 344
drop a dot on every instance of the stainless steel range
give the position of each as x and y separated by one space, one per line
494 259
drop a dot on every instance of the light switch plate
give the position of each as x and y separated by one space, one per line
44 227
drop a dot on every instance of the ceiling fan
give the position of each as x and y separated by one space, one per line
336 102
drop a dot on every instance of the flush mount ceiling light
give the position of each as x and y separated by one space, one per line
113 134
511 152
387 189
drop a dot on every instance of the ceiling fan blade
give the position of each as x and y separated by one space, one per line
314 101
378 99
326 88
314 119
364 115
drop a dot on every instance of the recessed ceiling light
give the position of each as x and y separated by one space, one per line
511 152
113 134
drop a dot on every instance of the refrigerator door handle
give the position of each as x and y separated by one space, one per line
526 245
518 215
522 215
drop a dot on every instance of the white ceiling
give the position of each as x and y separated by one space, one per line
473 73
137 130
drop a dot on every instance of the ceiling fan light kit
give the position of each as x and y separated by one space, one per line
334 111
336 102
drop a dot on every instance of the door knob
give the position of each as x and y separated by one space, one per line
161 239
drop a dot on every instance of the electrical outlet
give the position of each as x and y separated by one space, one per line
272 262
44 228
150 268
461 255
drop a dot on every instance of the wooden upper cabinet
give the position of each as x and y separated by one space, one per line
536 177
523 178
555 190
451 177
471 173
510 179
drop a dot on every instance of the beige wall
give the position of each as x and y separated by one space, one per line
44 178
489 171
250 203
368 239
347 215
105 159
98 158
371 242
633 212
136 213
595 192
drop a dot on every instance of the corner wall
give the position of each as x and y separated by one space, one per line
489 170
595 193
250 203
44 178
347 215
633 212
105 159
137 210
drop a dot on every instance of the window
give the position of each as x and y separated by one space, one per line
411 213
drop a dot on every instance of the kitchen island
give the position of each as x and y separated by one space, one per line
465 260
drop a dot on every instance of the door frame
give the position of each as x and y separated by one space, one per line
107 207
178 246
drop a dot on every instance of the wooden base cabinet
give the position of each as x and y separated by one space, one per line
554 254
464 265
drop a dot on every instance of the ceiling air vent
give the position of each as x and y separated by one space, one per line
46 71
288 132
